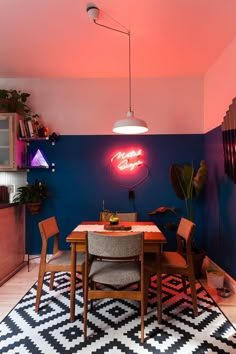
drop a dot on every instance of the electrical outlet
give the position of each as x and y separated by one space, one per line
11 188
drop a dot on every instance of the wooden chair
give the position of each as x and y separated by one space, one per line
60 260
114 259
179 262
104 216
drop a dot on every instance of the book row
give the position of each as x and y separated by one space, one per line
31 129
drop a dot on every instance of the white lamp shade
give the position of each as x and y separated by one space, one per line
130 125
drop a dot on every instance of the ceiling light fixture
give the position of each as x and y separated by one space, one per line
131 124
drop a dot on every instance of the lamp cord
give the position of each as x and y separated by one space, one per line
127 32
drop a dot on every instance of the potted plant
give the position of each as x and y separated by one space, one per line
187 184
32 195
14 101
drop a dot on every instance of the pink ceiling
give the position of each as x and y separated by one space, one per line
55 38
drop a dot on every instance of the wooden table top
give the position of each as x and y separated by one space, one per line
156 236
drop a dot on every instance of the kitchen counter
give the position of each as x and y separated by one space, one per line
7 205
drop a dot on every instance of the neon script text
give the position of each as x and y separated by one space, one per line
127 160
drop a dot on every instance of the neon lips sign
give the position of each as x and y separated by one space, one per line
127 160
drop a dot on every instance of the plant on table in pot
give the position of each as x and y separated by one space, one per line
188 184
114 219
32 195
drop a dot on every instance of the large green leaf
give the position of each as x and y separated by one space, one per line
201 177
181 178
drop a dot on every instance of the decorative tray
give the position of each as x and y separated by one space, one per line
117 227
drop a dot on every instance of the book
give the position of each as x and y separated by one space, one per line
31 129
22 128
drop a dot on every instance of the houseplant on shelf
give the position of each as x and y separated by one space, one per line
32 195
14 101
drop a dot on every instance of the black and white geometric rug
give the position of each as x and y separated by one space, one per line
114 326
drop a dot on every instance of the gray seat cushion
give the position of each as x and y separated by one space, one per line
64 257
115 273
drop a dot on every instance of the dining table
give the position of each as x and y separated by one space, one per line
153 242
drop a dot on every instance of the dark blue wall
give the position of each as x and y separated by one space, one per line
220 228
83 180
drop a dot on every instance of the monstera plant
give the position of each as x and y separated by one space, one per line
188 184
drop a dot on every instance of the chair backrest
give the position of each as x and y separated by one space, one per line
122 245
49 228
104 216
184 236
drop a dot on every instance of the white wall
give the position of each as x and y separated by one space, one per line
91 106
15 179
219 87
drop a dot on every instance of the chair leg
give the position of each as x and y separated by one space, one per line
142 320
147 278
93 287
85 307
184 284
39 289
83 283
193 294
159 297
52 280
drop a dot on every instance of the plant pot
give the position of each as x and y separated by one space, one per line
215 278
33 208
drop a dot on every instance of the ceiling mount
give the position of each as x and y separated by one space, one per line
129 125
93 12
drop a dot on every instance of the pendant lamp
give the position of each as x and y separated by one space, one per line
130 124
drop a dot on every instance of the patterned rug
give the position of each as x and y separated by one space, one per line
114 326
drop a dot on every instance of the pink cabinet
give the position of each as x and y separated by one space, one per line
12 241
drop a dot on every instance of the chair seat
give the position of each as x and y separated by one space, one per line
115 273
173 259
64 257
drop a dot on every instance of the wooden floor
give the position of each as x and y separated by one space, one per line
16 287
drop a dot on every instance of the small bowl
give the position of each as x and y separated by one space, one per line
224 292
114 222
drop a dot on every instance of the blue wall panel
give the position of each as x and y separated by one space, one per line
83 180
220 227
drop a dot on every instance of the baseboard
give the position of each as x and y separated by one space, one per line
229 281
8 276
35 258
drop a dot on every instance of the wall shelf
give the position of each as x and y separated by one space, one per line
51 167
28 139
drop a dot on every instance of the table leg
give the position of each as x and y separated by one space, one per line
72 282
